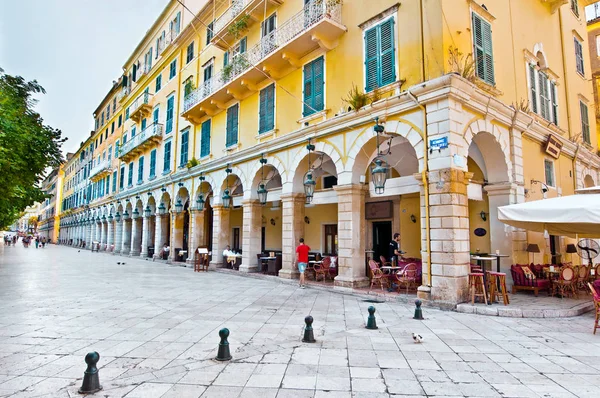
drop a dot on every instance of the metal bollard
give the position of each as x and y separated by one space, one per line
223 353
91 381
309 336
418 311
371 322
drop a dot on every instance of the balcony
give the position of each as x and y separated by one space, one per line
100 171
254 9
140 108
138 144
165 42
123 93
319 24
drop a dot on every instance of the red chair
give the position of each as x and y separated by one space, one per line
596 295
377 275
384 261
407 277
323 269
567 283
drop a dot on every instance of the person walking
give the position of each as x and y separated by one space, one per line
395 251
43 242
302 260
37 242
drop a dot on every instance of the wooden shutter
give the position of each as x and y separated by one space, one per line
141 169
134 71
534 98
153 163
178 23
585 123
488 52
554 103
169 126
579 55
484 57
371 56
167 157
243 45
205 139
226 58
155 115
267 109
543 90
157 48
386 44
143 124
318 84
232 125
308 89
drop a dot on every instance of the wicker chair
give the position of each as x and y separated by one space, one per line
596 296
377 275
384 261
323 269
583 277
407 277
566 283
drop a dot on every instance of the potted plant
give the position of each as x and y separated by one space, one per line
356 99
193 162
238 27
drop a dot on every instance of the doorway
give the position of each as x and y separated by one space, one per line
382 236
554 249
263 237
186 226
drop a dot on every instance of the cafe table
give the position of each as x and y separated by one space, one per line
480 261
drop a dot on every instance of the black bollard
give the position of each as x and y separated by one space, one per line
91 381
223 353
418 311
309 336
371 322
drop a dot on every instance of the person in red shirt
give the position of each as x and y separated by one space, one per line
302 259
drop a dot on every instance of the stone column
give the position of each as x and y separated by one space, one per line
135 237
193 238
145 234
351 236
292 229
89 235
449 237
97 235
221 229
158 238
126 241
110 237
176 233
118 236
251 235
103 235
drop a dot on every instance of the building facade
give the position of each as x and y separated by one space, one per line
49 217
253 123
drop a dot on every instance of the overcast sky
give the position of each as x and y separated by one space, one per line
74 49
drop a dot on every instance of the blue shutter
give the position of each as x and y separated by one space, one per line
114 187
157 48
130 176
318 84
150 58
153 163
158 83
232 125
183 156
178 23
167 157
307 89
140 169
225 59
170 103
243 45
143 124
205 139
267 109
533 88
484 58
387 50
155 115
371 56
133 132
122 181
262 110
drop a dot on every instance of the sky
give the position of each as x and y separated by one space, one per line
74 49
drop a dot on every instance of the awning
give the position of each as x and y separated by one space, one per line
567 215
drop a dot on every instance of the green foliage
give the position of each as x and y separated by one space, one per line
237 28
356 99
193 162
28 147
237 63
462 64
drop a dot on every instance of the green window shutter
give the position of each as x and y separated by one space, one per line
554 103
225 59
169 126
130 176
484 58
155 115
579 56
371 59
308 89
488 52
271 108
167 157
183 157
158 83
232 125
267 109
243 45
114 180
585 122
533 88
388 67
262 111
140 169
144 124
318 84
153 163
543 90
205 139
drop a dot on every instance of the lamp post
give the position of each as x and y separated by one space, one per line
262 190
125 215
135 214
178 206
309 183
200 202
226 196
379 171
117 216
147 211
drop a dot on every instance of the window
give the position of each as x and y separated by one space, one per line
114 104
122 179
331 239
209 33
190 53
205 139
120 121
107 187
266 109
579 56
130 176
549 172
175 25
158 83
116 149
585 122
167 158
107 113
239 48
329 182
155 113
575 8
127 113
170 103
102 119
482 49
544 98
313 87
109 152
183 156
380 67
232 125
114 180
101 138
133 128
143 126
153 163
188 86
208 72
173 69
140 170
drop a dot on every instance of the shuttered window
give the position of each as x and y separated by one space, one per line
167 158
170 104
232 125
190 53
205 139
155 113
173 69
209 33
532 84
158 84
122 179
140 170
314 84
183 152
483 50
585 122
549 172
130 176
579 55
380 66
153 163
114 187
266 109
544 98
544 95
554 99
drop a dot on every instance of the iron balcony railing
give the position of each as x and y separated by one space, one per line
311 14
165 42
154 130
123 93
233 11
103 165
139 101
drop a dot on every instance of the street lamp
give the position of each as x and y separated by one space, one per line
178 206
147 211
262 190
226 196
162 209
125 215
135 214
200 202
309 183
118 217
110 218
379 170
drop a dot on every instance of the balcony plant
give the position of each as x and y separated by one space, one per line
193 162
237 64
356 99
461 64
239 27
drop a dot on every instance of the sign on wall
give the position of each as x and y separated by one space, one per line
374 210
438 143
553 146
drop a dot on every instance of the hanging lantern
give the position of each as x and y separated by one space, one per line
98 219
178 206
103 218
162 210
226 199
262 194
125 215
135 214
309 187
110 218
118 217
379 175
147 211
200 202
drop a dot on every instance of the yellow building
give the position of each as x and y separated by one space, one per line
49 217
463 107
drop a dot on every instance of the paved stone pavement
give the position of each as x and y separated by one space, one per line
156 329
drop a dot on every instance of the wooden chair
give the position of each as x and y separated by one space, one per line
566 282
583 277
597 272
384 262
596 296
476 285
377 275
495 278
323 269
407 277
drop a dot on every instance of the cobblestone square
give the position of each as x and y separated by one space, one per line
156 329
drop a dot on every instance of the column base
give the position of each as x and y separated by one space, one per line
248 268
134 253
125 252
215 264
143 255
289 274
424 292
350 283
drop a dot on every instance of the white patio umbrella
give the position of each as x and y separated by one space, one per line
566 215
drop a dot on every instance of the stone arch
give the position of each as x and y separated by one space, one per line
151 202
205 187
165 198
588 181
494 144
183 194
271 173
236 181
299 156
273 162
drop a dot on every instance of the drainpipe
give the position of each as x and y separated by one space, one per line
575 168
564 65
425 178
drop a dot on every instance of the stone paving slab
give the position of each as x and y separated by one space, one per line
155 327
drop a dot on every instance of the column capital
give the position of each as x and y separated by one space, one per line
503 188
251 202
350 189
293 197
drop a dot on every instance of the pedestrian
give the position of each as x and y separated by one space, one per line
302 260
37 242
43 242
395 251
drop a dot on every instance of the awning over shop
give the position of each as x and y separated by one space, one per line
567 215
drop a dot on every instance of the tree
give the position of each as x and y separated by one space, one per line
28 147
